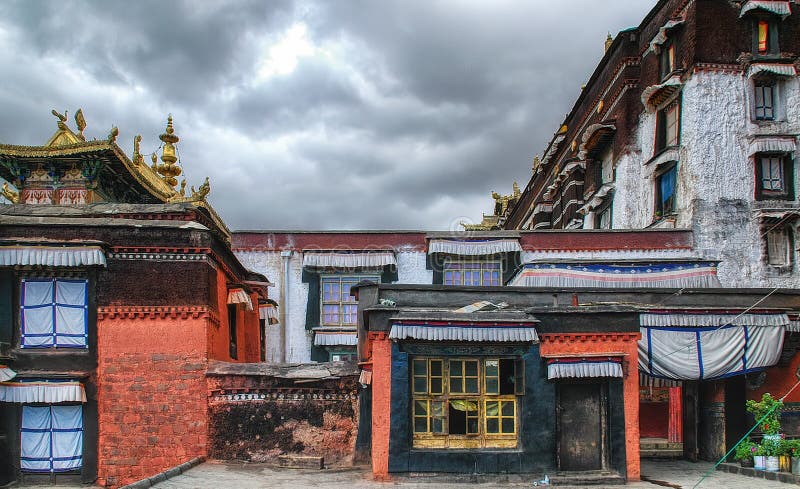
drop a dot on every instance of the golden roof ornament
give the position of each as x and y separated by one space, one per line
609 40
112 135
80 122
536 164
9 194
137 159
61 119
169 169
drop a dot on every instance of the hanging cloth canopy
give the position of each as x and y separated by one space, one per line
49 392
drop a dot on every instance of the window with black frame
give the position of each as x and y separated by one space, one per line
665 183
668 126
765 37
764 100
774 176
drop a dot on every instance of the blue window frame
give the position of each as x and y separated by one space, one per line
54 313
51 438
665 191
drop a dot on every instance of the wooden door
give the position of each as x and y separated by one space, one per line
581 422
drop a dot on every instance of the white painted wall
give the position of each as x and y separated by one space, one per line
716 176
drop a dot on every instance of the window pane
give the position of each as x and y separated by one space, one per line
456 385
437 408
763 36
508 425
508 408
492 408
436 385
420 425
472 425
491 368
471 368
455 368
436 368
420 367
420 385
471 385
437 425
421 408
492 425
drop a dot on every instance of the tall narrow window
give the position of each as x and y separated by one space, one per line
779 248
764 101
668 127
665 191
763 37
233 349
262 339
51 438
667 59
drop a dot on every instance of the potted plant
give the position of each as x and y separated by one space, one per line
785 448
793 450
772 450
767 412
759 460
744 453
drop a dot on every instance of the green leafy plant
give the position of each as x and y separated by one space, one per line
790 448
767 412
758 450
744 451
772 448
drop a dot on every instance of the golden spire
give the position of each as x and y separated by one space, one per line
169 169
536 163
609 40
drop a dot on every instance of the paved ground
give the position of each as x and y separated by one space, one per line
218 475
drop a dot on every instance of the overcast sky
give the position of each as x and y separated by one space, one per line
381 114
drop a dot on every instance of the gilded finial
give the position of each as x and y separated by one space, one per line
112 136
9 194
183 188
138 159
609 40
81 123
536 163
169 169
515 191
154 159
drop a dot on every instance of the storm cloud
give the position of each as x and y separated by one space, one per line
343 114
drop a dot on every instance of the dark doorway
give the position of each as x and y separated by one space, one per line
690 420
581 426
736 424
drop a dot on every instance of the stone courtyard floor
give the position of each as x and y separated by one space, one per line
219 475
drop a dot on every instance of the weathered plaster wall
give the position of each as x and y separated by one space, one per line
411 268
260 418
152 390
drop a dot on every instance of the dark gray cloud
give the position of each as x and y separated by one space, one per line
389 114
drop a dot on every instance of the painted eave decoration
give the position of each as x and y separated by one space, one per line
467 331
777 7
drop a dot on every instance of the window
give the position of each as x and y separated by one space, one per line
233 349
54 313
343 356
483 273
466 402
339 308
51 438
667 59
779 247
262 339
668 127
774 177
764 98
603 217
665 191
765 37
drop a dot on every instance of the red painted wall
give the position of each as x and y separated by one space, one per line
779 381
654 419
247 324
608 344
152 390
381 403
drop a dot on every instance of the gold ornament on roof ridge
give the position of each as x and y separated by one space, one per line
169 168
9 194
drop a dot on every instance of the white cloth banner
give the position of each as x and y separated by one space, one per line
239 296
51 438
772 145
52 256
580 370
44 392
686 353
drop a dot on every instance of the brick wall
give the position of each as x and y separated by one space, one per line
152 390
257 416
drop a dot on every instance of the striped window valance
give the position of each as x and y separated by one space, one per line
336 259
773 145
583 368
49 392
473 247
52 256
471 332
772 68
239 296
267 311
324 338
660 275
646 380
776 7
705 320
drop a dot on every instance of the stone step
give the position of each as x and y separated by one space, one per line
660 453
301 462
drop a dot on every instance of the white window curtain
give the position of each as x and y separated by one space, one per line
51 438
54 313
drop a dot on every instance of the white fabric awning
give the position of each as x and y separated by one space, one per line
776 7
662 35
45 392
473 247
689 320
773 68
323 338
516 333
596 199
6 373
239 296
773 145
583 369
794 326
650 381
333 259
52 256
659 275
654 95
267 311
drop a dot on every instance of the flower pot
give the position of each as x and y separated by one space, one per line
748 462
760 462
785 463
773 464
796 465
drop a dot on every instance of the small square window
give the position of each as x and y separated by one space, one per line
774 177
54 313
475 273
338 307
